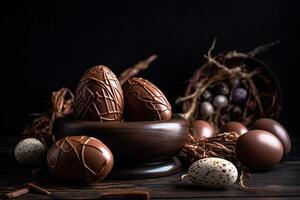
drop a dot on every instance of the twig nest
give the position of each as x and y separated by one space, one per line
239 86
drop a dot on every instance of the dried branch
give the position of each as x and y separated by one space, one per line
41 126
132 71
262 48
17 193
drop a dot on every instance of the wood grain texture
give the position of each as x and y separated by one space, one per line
280 183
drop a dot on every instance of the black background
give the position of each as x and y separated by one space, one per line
47 45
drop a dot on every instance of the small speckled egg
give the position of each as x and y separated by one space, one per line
212 173
30 151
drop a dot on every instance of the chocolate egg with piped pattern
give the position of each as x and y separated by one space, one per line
144 101
80 159
99 96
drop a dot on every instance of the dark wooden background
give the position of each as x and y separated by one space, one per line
49 44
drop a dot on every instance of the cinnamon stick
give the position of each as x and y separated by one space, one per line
17 193
38 189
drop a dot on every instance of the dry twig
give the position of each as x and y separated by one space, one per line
132 71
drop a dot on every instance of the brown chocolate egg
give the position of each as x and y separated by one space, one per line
235 127
277 129
144 101
203 129
99 96
259 149
80 159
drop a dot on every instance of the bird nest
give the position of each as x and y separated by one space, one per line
234 70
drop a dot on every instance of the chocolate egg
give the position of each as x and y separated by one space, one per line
235 127
259 149
80 159
277 129
144 101
206 109
99 96
203 129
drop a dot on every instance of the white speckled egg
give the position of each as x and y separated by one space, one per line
212 173
30 151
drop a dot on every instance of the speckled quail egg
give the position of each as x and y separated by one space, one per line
212 173
30 151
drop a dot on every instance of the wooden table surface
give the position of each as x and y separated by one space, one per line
283 182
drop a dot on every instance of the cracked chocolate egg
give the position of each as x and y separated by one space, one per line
80 159
144 101
99 96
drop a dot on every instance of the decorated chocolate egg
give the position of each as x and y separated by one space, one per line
144 101
80 159
99 96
